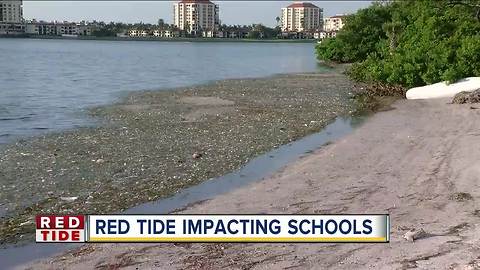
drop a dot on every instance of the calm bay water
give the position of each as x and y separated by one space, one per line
46 85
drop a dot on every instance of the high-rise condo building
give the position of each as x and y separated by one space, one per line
196 15
301 16
11 11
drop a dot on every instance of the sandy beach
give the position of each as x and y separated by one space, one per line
419 162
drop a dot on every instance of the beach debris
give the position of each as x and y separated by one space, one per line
99 161
472 266
414 234
196 155
25 223
467 97
461 197
261 121
68 199
461 98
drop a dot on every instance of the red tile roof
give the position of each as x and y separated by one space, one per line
302 4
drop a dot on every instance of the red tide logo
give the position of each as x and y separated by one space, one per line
51 228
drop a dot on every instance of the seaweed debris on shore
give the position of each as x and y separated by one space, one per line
156 143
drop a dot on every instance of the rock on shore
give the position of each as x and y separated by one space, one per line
467 97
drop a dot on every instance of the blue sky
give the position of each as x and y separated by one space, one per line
231 12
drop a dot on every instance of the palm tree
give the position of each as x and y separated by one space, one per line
393 30
278 20
161 23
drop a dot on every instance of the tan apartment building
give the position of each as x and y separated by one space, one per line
301 16
41 28
11 11
54 28
11 17
333 23
196 15
67 28
84 29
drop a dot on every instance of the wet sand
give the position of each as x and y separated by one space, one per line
419 162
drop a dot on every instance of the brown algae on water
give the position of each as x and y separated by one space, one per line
156 143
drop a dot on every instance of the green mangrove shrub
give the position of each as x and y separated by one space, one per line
409 43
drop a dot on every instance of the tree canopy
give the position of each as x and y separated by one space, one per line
409 43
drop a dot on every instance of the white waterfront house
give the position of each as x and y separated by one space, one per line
334 23
321 35
133 33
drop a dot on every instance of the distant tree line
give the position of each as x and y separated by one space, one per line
111 29
254 31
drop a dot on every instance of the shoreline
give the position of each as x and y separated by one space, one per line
257 169
234 40
97 121
117 166
416 162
